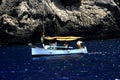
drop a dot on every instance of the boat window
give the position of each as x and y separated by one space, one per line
59 48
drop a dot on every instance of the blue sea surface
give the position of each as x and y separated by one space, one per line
101 63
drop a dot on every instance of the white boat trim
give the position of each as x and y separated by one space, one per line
41 51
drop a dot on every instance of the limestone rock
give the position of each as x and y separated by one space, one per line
24 19
8 23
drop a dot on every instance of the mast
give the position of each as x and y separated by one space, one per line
43 27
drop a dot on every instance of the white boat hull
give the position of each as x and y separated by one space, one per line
41 51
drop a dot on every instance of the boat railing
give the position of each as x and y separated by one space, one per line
58 47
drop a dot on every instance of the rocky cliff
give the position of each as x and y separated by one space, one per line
21 20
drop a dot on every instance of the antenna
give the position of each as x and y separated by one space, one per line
43 26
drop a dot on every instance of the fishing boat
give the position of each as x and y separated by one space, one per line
54 48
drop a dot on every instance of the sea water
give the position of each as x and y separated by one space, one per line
101 63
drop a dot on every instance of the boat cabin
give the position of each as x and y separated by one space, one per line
62 43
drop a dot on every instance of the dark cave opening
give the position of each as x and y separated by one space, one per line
70 2
0 2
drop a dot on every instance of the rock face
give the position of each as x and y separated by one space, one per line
21 20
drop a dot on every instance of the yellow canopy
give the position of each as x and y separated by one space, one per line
61 38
